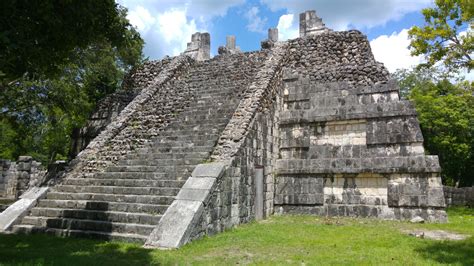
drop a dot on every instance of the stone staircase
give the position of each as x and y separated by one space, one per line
126 201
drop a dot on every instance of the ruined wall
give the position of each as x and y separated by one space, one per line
139 121
17 177
462 196
111 106
4 167
349 146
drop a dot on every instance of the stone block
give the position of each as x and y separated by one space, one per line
176 225
213 170
200 195
199 183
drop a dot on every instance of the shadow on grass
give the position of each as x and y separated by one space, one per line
449 252
48 250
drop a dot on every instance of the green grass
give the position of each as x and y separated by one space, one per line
279 240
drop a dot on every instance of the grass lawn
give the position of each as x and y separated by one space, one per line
294 240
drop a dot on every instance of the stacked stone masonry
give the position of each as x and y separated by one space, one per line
17 177
174 130
110 107
310 125
462 196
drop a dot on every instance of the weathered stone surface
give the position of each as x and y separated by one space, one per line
436 235
15 212
200 46
311 24
417 219
317 118
463 196
213 170
176 225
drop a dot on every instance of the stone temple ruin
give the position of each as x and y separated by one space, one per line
195 145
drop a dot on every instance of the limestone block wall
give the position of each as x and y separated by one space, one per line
4 167
463 196
233 201
17 177
349 146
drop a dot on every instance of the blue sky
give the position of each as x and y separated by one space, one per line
167 25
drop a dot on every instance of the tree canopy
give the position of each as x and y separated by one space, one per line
39 37
446 114
57 60
440 40
443 99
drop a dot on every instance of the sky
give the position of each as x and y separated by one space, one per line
167 25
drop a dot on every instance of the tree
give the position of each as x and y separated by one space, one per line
446 114
440 40
38 37
55 80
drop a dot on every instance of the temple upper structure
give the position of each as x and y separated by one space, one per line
311 24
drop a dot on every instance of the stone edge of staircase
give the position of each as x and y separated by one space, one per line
180 219
15 212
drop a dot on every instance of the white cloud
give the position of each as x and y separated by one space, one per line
393 51
255 22
287 27
167 25
194 8
341 14
165 34
141 18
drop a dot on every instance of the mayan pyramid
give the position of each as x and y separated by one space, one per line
194 145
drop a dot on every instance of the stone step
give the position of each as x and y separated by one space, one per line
171 132
123 182
129 175
103 206
145 199
184 143
177 143
162 149
144 168
31 229
109 216
205 116
222 103
208 110
162 191
188 138
88 225
198 126
168 156
161 162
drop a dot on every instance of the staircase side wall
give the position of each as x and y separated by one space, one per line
111 106
134 127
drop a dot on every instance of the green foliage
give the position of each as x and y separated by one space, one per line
446 114
279 240
39 37
65 63
440 40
